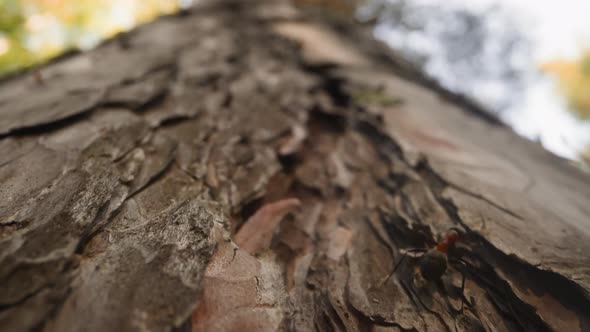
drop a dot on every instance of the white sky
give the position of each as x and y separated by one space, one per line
557 29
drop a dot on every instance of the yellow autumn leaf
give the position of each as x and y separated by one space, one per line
574 81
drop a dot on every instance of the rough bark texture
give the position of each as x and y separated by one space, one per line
239 167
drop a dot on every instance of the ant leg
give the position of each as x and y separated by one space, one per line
462 290
399 263
462 262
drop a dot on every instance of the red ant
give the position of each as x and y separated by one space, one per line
434 262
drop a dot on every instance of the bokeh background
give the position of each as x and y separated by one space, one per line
526 60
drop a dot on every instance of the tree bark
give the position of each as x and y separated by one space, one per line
240 166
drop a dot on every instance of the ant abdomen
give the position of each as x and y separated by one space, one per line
433 265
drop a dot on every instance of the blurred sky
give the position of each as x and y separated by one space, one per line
552 30
560 29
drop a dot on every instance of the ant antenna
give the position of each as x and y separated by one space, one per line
418 250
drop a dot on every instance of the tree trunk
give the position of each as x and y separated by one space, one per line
239 166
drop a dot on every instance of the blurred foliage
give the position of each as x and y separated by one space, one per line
343 8
374 96
32 31
583 161
586 155
574 81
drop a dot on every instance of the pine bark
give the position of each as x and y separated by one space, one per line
242 166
